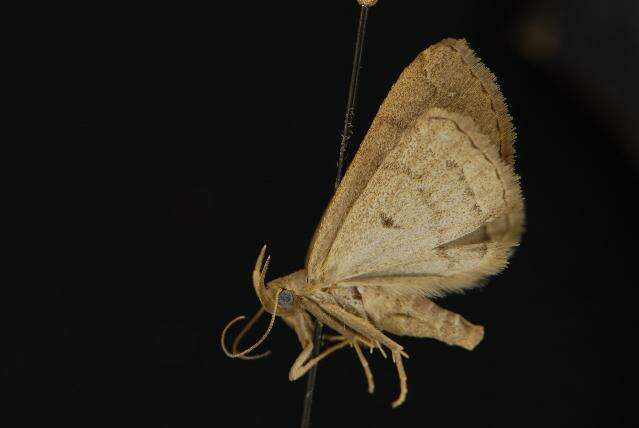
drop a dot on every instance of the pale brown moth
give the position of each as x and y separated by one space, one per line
429 205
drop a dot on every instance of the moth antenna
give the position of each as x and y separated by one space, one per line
259 342
222 341
245 330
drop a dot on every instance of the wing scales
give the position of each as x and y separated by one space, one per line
423 180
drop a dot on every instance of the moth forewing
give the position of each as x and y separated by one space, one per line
447 75
439 183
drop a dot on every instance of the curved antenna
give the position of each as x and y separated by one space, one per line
242 333
259 342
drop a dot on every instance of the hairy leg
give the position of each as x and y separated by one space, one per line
336 324
361 326
360 356
299 368
366 367
401 373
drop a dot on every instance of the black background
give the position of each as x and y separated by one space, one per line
149 150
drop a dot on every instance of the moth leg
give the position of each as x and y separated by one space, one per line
296 370
303 327
338 325
360 355
361 326
300 368
403 387
333 337
366 367
381 350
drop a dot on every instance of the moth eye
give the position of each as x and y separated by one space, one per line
285 300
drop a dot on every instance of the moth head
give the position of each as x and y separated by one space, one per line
278 298
280 293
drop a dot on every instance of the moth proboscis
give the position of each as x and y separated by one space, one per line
429 205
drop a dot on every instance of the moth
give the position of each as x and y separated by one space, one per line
430 205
